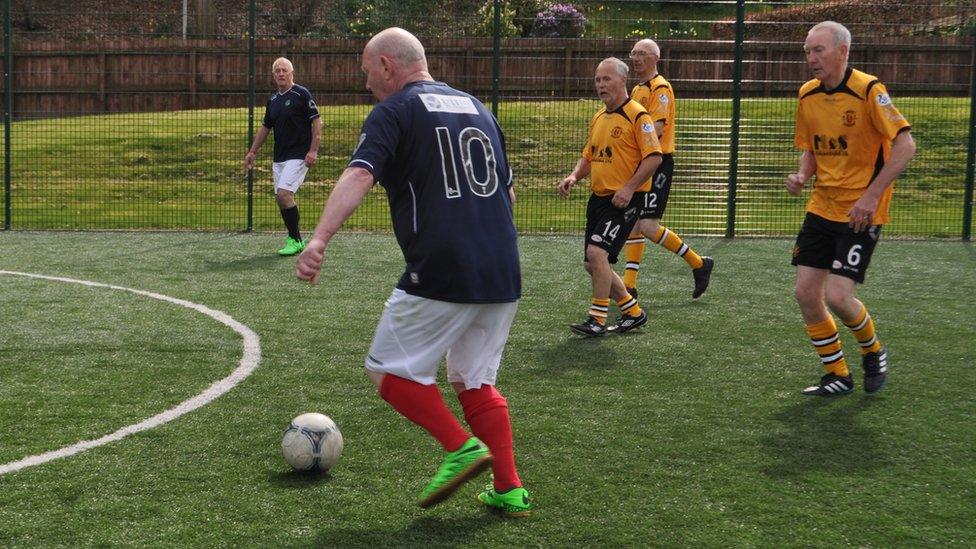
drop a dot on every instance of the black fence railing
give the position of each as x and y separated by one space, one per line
139 117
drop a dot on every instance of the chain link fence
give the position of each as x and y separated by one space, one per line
138 115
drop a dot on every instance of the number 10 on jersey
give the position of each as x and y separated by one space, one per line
467 138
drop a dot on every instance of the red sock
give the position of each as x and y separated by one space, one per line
486 411
423 405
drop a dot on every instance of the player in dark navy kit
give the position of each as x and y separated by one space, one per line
292 115
440 155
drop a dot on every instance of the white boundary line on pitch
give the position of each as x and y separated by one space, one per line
249 362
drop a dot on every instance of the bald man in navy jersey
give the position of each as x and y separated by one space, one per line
440 156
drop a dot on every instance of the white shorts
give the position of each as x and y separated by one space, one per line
414 333
289 175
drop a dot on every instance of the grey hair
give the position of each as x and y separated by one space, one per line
651 45
622 69
840 32
285 61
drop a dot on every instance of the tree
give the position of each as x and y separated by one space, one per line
298 16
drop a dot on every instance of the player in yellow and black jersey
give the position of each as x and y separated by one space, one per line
654 93
621 153
856 143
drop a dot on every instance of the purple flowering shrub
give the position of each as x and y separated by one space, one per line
559 21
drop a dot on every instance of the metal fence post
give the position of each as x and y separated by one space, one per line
967 205
251 27
740 30
8 97
496 57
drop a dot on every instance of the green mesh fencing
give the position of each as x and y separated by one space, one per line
136 116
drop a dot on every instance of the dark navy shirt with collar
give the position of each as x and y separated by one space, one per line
290 115
440 155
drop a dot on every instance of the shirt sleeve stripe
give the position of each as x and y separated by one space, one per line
361 161
867 90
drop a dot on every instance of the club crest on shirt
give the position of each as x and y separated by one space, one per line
850 118
616 132
287 102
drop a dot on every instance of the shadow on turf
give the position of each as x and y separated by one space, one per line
577 353
295 479
427 531
825 435
246 263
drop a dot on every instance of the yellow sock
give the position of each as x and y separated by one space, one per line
674 244
634 252
863 328
629 306
827 343
599 308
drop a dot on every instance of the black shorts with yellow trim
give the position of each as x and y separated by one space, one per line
607 226
656 199
833 245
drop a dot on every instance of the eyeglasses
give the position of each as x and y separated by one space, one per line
635 54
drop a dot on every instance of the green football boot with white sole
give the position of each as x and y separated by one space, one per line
513 503
457 468
292 247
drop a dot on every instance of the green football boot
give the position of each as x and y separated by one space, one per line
292 247
514 503
458 467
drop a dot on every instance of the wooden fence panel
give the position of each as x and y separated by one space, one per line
52 78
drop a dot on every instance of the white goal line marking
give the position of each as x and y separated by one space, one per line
249 362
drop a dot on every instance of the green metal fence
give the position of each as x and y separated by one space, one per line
139 117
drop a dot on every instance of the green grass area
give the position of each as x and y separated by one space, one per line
689 433
184 170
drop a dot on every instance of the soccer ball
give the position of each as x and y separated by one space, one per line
312 443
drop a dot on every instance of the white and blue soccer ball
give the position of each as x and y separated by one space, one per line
312 442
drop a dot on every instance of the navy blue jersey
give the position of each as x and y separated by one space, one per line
440 155
290 115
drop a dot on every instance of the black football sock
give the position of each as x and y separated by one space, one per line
290 217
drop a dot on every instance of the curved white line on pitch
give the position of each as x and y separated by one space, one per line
249 362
